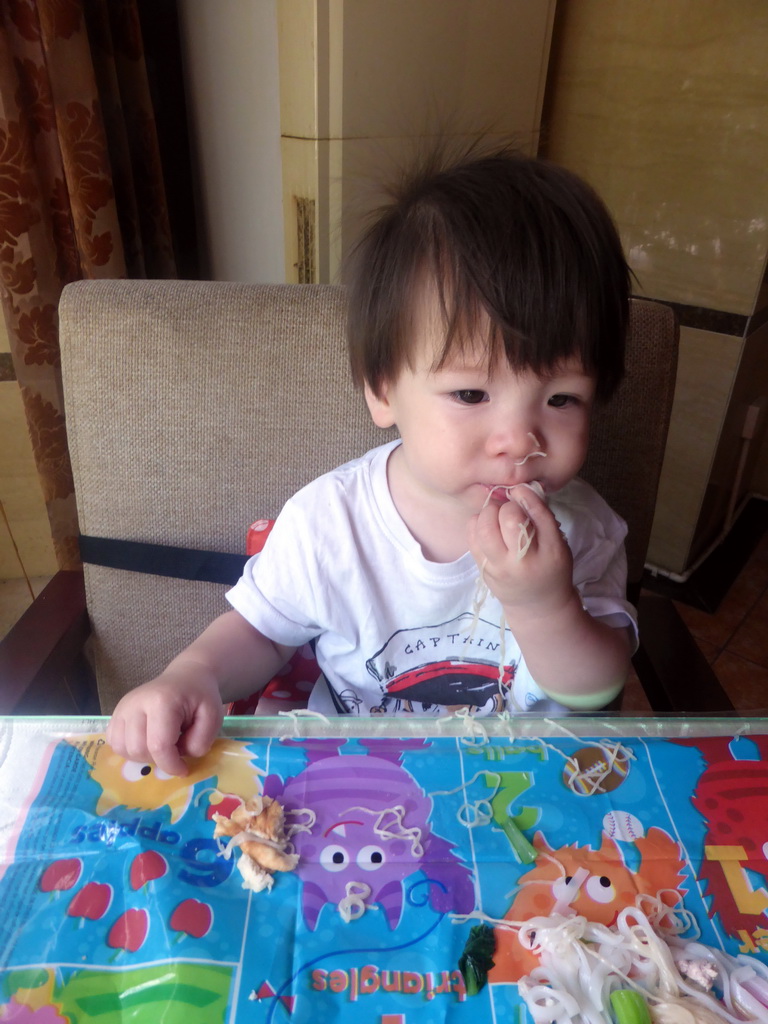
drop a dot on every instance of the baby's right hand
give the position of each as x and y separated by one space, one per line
177 713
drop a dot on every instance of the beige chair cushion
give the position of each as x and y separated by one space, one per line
194 408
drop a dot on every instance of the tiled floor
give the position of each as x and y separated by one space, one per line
734 639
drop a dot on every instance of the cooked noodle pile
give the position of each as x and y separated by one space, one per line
682 980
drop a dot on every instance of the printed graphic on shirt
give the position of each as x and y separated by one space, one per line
455 664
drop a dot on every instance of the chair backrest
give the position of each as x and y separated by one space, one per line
629 433
194 408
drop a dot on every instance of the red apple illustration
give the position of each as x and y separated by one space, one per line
146 867
225 806
61 874
193 917
129 930
92 901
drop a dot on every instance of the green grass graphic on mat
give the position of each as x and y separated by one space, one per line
180 993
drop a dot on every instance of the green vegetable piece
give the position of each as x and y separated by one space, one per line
629 1007
477 958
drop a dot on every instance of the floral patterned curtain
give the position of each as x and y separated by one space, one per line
81 196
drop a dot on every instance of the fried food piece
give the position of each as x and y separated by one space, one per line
258 828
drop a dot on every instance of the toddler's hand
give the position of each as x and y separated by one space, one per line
538 580
178 713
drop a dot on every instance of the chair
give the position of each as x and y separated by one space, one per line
626 453
194 408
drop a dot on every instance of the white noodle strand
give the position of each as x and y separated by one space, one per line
353 905
296 714
395 828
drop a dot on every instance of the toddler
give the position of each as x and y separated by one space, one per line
464 565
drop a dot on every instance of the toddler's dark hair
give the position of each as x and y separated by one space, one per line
515 240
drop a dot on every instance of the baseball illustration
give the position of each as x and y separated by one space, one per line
623 826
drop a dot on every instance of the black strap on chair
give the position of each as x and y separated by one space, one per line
162 560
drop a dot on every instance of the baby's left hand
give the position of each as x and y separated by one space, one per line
538 582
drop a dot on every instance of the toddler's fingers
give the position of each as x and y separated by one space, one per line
142 740
134 746
544 523
162 731
493 528
197 739
115 734
526 496
517 526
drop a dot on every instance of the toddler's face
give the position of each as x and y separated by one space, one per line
470 427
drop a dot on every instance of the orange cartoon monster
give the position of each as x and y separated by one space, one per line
597 884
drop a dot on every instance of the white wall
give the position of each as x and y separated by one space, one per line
229 49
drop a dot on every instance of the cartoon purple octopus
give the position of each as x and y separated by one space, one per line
371 828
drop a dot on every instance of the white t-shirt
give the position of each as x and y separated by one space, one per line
396 633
